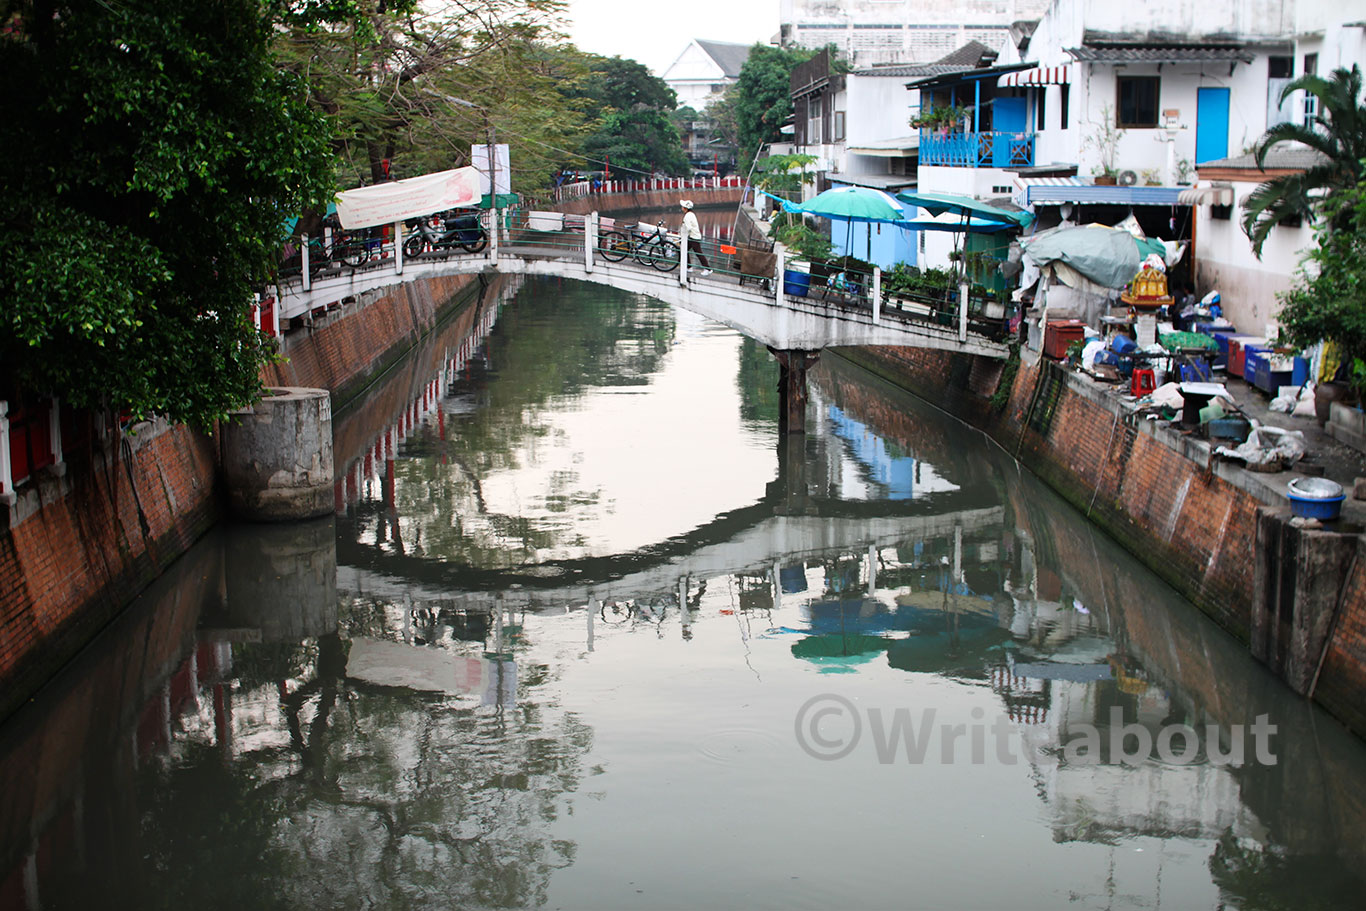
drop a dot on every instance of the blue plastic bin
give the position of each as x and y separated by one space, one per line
1316 508
796 283
1315 498
1300 375
1198 372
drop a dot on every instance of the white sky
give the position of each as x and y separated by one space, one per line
656 33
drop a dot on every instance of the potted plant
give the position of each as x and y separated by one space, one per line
1104 139
941 119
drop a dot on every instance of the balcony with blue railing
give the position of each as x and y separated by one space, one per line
976 150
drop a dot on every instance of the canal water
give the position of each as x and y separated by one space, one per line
574 639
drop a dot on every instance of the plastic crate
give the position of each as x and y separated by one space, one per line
1059 334
1252 355
1264 377
1222 338
1236 342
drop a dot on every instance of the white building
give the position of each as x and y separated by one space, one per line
701 73
1326 36
872 32
1147 94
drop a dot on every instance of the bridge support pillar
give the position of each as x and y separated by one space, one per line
792 367
277 456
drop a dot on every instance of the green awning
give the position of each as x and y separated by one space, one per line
939 203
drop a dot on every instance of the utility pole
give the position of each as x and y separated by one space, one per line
493 192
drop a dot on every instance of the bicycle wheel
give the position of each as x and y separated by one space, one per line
353 250
666 256
615 612
614 246
645 251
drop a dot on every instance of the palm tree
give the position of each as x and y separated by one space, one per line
1337 131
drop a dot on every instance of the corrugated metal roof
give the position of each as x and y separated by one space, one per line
898 146
875 181
961 75
970 55
1095 54
974 53
906 69
1095 194
1276 159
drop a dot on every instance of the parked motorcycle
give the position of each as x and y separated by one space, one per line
464 232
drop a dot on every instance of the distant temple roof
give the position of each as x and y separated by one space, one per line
729 57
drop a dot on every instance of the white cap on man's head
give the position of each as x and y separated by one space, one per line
685 203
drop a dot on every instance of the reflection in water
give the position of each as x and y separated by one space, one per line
552 651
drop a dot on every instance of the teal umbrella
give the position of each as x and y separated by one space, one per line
853 203
946 221
965 207
836 653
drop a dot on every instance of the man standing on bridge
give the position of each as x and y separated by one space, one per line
693 233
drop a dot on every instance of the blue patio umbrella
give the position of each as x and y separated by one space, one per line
861 204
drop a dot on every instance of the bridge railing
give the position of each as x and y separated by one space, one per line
849 287
581 188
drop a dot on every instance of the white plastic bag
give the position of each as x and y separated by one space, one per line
1304 408
1285 399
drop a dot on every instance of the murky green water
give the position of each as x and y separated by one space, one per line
574 641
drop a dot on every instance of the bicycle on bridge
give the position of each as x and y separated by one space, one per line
654 249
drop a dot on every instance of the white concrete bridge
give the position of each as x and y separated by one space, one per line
757 548
758 306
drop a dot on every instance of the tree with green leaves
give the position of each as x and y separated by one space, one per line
1337 131
628 111
1329 301
416 87
760 101
153 153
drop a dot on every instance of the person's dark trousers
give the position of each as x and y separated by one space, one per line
695 246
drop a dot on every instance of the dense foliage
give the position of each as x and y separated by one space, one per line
410 89
630 116
154 151
760 102
1329 302
1337 131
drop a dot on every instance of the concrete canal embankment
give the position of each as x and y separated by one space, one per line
77 546
1217 533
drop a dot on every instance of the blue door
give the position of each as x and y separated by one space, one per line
1211 125
1009 120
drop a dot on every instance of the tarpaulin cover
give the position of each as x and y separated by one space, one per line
1106 256
386 203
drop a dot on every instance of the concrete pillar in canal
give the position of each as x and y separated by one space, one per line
277 456
792 480
792 367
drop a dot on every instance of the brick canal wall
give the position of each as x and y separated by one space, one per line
78 547
1193 522
353 343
